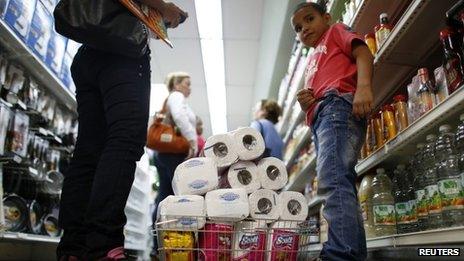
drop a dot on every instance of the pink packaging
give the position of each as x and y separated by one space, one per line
216 242
249 241
283 245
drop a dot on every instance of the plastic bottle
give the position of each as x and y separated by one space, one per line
460 147
410 192
419 187
449 184
401 112
365 194
382 30
425 92
388 116
383 205
406 222
378 130
432 194
452 61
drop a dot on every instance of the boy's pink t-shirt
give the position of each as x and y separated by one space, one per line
331 66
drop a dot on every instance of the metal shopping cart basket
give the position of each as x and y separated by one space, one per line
197 238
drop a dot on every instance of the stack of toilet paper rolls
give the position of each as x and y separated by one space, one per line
236 184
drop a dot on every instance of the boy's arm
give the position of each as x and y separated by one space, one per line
363 99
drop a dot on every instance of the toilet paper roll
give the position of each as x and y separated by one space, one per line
264 205
249 143
294 206
182 212
244 174
195 176
227 204
272 173
249 240
222 149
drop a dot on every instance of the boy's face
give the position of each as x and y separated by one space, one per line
310 25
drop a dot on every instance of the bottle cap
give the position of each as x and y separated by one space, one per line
383 15
401 167
399 97
445 33
388 107
444 128
380 171
461 118
420 146
431 137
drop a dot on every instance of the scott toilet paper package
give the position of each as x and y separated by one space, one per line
249 143
244 174
283 241
195 176
265 204
221 149
216 242
227 204
272 173
294 206
249 241
182 212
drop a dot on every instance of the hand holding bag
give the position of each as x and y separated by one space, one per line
102 24
164 138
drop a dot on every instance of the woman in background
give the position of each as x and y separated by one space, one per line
267 113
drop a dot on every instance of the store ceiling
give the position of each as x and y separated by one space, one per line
242 31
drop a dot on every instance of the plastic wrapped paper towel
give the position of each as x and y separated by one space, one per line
221 149
244 174
272 173
283 241
227 204
182 212
195 176
294 206
265 205
249 143
249 240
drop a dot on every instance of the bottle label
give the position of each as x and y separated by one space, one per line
413 210
402 213
384 215
433 199
453 74
421 203
364 207
451 193
462 180
380 36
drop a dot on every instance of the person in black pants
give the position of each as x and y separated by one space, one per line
112 93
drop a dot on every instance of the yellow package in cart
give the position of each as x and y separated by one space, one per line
175 241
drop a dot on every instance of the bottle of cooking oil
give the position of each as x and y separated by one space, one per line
383 205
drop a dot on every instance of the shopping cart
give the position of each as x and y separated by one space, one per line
196 238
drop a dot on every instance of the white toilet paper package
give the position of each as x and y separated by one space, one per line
294 206
195 176
244 174
221 149
272 173
249 143
249 240
182 212
265 205
227 204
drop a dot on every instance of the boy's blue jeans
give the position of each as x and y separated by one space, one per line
338 138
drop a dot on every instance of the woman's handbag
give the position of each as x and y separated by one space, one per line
103 24
165 138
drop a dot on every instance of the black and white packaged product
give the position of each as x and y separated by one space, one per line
3 69
5 117
13 84
18 133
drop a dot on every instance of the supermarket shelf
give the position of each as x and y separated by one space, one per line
291 72
299 180
304 140
21 53
433 237
16 236
297 121
399 149
289 109
400 56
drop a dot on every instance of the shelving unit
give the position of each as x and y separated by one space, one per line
22 246
304 140
295 123
26 58
299 180
400 148
289 108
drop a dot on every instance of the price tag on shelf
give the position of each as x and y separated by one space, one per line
17 159
33 171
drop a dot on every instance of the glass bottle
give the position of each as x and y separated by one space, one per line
452 62
382 30
419 188
425 92
401 112
383 205
432 194
365 194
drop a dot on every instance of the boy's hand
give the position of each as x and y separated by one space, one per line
305 98
363 101
173 15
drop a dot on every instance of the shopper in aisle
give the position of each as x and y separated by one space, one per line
178 113
112 93
267 113
337 97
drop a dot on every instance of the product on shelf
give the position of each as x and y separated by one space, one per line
19 16
370 41
5 117
55 52
3 5
378 130
388 116
432 195
460 147
382 30
414 101
365 194
452 61
35 217
50 226
383 205
425 92
314 230
15 211
13 84
449 180
39 33
441 84
401 112
406 216
3 69
18 134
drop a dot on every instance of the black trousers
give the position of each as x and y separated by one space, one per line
113 94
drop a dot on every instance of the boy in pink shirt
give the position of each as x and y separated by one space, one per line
337 97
